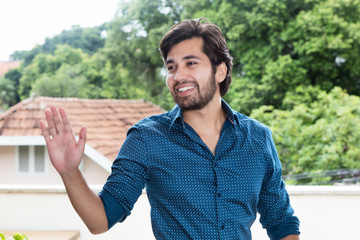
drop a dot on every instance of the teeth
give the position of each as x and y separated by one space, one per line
185 89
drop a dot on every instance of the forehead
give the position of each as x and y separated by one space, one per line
189 47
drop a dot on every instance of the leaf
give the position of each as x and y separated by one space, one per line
19 236
2 237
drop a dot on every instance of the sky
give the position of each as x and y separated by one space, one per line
26 23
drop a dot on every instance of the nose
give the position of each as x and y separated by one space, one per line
180 74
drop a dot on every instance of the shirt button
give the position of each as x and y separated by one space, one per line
222 227
219 194
215 164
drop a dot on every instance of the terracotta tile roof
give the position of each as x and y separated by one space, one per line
6 66
107 120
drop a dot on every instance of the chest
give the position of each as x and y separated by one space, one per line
210 140
188 170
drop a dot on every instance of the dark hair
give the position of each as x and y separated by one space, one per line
215 46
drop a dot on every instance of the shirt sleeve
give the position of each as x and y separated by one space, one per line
276 213
127 179
114 211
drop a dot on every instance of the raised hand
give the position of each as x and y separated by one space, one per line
65 154
64 150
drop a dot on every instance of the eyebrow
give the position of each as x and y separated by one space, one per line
170 61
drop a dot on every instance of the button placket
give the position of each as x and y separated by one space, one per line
218 196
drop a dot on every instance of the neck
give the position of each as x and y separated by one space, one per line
209 118
207 122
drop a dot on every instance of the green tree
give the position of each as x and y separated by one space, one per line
316 135
8 94
133 42
42 64
278 45
14 76
68 81
89 40
45 66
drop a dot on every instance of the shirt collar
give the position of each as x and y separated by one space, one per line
177 114
229 112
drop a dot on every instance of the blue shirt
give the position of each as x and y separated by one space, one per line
194 194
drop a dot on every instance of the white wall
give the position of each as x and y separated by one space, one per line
325 212
93 173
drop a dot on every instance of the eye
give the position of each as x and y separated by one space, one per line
169 68
191 63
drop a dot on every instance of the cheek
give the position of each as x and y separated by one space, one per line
168 82
202 76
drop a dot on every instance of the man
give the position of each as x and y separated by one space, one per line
207 169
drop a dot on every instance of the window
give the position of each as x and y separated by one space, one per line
31 159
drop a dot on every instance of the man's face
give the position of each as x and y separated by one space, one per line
189 75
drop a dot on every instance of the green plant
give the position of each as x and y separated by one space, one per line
19 236
16 236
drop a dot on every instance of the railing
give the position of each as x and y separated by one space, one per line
329 177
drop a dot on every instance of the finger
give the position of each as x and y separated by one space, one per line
82 139
57 121
45 132
51 123
65 120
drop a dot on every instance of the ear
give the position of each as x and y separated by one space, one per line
221 72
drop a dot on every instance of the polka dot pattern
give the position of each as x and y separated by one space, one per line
194 194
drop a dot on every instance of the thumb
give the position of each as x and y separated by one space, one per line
82 139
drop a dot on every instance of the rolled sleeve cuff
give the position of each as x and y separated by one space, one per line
114 211
288 227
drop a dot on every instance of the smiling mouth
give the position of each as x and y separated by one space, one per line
184 89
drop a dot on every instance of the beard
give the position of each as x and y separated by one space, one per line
196 101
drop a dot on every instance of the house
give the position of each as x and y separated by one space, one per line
24 158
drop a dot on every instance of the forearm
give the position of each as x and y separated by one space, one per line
291 237
86 203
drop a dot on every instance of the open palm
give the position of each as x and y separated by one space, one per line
64 150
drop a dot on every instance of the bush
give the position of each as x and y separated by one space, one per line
316 136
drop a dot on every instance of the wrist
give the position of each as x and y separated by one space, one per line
71 175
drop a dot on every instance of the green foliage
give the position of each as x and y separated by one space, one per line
68 81
8 94
19 236
133 42
57 75
42 64
278 45
89 40
8 88
316 136
326 40
16 236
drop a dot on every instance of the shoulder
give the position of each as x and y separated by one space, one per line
249 124
244 122
158 122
